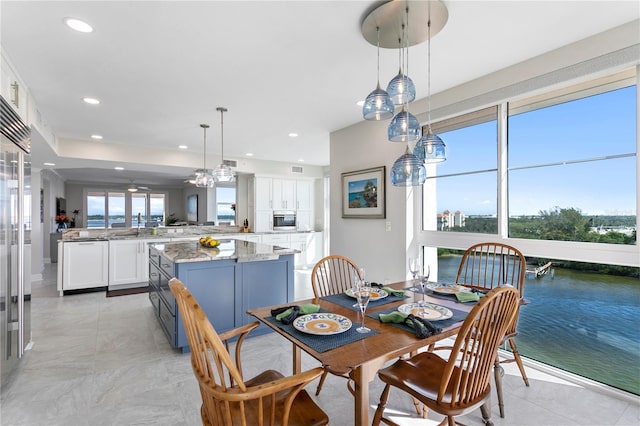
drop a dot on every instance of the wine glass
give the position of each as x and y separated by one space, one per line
424 280
358 281
414 267
363 295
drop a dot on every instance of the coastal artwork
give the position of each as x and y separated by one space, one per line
363 194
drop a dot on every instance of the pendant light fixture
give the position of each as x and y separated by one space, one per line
408 170
430 148
401 88
223 173
204 179
378 105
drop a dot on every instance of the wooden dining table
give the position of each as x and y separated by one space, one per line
363 358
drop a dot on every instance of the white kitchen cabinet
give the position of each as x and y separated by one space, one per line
128 262
263 193
263 221
304 220
281 240
284 194
249 237
85 265
304 195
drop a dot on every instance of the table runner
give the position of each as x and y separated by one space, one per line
323 343
457 316
348 302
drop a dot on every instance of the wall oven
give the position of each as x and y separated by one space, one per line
284 220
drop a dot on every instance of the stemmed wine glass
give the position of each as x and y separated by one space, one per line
414 268
363 294
424 280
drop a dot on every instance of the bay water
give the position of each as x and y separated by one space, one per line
582 322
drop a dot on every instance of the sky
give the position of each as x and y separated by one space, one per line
593 127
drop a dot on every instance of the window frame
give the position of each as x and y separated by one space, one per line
128 205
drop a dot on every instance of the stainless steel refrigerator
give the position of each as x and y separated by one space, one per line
15 244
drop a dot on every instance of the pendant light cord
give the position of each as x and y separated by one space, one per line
222 111
429 69
378 33
204 159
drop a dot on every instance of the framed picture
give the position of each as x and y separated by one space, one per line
363 194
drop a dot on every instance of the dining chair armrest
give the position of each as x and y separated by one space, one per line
242 332
296 383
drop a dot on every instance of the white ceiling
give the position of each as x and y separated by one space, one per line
161 68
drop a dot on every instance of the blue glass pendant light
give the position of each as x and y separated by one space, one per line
404 127
430 148
378 105
223 173
401 88
408 170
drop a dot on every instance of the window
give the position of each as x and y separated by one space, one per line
572 173
226 204
117 209
465 189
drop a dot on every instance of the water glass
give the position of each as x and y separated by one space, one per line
363 295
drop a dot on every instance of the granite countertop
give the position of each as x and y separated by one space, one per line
243 251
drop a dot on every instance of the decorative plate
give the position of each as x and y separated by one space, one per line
447 288
323 323
376 293
428 311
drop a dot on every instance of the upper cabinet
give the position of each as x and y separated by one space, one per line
271 194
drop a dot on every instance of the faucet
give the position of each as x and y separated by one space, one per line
139 220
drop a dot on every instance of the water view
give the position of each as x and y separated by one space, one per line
584 323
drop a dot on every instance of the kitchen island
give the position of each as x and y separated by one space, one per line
226 280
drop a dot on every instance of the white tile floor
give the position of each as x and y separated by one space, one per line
105 361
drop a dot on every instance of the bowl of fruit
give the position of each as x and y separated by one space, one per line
209 242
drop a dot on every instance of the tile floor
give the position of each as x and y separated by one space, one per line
105 361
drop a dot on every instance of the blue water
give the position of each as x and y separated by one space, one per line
356 197
585 323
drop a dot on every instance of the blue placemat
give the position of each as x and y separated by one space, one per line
323 343
452 297
348 302
457 316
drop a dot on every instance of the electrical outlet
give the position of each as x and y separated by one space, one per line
388 225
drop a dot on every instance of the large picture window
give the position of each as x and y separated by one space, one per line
118 209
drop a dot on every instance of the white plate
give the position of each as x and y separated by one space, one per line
376 293
323 323
428 311
447 288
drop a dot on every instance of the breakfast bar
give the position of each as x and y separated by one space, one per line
227 280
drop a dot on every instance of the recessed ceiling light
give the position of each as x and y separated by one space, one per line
78 25
91 101
301 160
249 154
360 103
293 135
96 137
183 146
118 168
49 164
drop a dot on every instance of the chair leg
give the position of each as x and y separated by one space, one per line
516 356
498 372
380 410
321 382
485 409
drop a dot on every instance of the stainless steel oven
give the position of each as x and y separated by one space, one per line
284 220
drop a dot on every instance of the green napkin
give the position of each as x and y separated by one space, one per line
307 308
468 296
397 293
395 317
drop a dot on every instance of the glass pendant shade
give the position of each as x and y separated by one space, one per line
404 127
224 173
430 148
378 105
408 170
401 89
204 178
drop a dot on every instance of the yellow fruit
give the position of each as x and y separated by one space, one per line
202 240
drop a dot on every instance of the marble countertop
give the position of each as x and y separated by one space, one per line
243 251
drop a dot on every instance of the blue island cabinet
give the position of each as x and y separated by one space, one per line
225 289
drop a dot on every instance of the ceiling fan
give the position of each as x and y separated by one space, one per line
134 188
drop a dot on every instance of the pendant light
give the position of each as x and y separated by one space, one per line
223 173
378 105
408 170
430 148
204 179
401 88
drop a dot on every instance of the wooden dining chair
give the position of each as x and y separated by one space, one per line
461 383
485 266
227 398
333 274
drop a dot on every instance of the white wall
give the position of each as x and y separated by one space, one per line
365 144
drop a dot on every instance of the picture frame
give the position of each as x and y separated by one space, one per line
363 194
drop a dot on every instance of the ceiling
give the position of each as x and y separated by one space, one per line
161 68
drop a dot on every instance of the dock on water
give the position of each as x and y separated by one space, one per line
539 271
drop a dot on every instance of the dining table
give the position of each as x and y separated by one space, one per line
362 355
